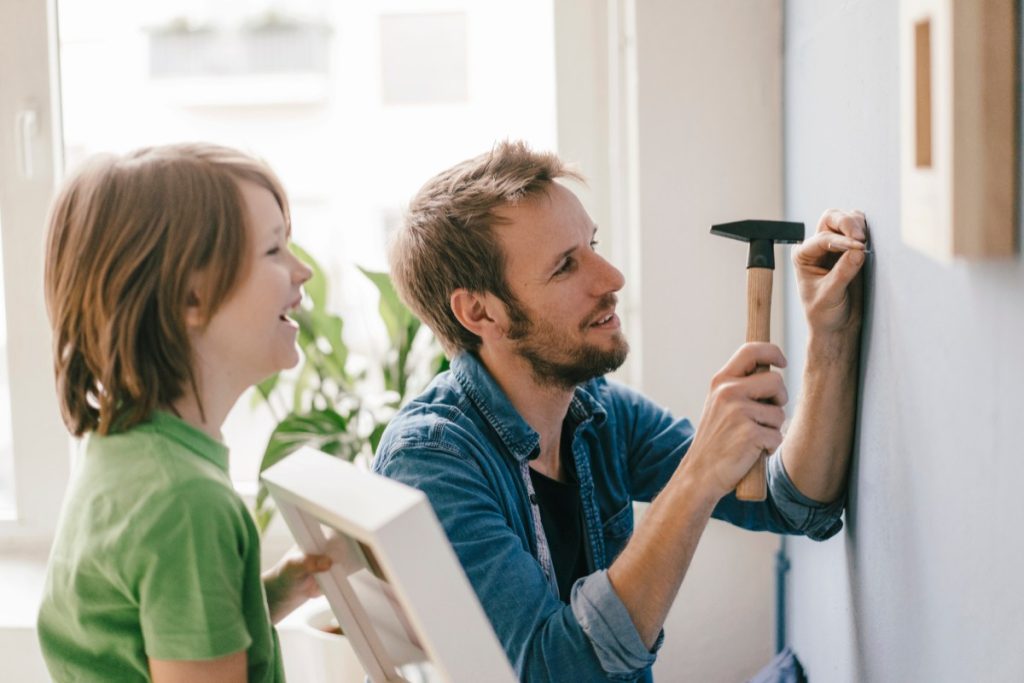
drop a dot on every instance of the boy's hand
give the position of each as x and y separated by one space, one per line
290 582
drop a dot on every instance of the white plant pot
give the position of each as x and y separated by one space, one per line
314 655
323 657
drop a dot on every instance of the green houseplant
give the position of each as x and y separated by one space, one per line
326 405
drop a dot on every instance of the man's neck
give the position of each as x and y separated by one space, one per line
543 406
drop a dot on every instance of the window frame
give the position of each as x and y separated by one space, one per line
40 443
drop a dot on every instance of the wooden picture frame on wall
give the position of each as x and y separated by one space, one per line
396 586
958 86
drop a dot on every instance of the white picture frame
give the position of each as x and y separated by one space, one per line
396 585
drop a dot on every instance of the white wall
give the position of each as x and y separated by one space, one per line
709 104
924 582
694 138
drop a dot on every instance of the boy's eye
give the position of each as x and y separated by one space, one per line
274 250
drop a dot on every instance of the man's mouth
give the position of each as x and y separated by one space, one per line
605 321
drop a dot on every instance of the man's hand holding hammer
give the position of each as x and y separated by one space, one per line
743 418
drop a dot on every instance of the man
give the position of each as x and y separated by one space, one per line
532 459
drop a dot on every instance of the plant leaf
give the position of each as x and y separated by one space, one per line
265 388
325 430
393 312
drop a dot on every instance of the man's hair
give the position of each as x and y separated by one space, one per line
448 241
127 237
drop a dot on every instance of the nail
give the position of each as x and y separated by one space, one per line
839 247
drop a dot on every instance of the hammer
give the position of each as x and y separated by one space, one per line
762 236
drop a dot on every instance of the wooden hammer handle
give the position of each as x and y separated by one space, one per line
754 485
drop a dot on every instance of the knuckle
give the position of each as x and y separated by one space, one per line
751 431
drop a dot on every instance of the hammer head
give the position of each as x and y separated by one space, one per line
762 235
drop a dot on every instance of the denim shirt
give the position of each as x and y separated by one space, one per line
465 445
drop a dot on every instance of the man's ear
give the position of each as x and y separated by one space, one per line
480 313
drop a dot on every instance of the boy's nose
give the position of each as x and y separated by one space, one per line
302 273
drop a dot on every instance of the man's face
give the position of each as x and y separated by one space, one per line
563 322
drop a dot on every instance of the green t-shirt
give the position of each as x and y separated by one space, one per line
156 557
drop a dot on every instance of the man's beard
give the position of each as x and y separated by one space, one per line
553 359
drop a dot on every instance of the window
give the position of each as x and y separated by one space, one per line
423 58
39 446
311 87
6 458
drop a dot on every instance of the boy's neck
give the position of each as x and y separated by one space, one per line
210 418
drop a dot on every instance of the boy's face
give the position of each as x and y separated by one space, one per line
569 332
250 336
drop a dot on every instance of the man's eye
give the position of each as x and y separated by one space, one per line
568 265
594 243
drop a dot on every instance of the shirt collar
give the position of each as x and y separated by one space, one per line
489 398
195 440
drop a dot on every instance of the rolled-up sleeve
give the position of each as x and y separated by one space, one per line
611 631
816 520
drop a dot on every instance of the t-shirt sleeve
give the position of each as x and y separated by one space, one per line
188 567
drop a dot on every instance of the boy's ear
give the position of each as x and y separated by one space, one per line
194 317
480 313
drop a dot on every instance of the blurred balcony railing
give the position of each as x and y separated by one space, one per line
204 52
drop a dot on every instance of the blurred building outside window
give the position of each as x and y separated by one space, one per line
354 104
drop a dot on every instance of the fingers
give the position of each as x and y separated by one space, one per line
817 248
845 269
836 252
764 387
749 356
297 566
849 223
761 387
769 439
766 415
316 563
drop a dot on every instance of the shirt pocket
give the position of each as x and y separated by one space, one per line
617 530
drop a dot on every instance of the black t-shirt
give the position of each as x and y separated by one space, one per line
561 514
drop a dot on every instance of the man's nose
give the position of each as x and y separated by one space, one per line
610 279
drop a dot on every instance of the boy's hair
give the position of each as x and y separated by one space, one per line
447 241
127 237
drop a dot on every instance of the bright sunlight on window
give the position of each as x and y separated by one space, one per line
354 104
